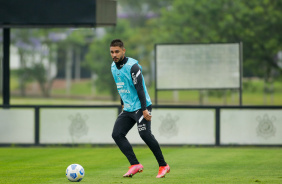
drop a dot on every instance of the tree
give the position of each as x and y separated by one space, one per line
141 24
37 51
256 23
20 38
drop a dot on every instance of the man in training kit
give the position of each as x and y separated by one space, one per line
136 105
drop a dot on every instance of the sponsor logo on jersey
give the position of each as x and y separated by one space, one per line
127 105
120 85
134 78
123 91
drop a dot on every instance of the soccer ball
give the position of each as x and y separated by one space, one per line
75 172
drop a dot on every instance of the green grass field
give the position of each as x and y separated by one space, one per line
107 165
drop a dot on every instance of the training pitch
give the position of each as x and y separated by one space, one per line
107 165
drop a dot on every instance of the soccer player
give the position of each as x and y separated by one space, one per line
136 105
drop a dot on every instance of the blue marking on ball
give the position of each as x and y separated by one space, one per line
73 166
73 175
81 172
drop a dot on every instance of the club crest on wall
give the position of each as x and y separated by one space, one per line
265 127
168 127
78 125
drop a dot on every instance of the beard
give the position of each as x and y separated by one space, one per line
117 60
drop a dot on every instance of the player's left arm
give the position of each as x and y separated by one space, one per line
137 79
122 104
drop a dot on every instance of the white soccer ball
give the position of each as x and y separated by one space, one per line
75 172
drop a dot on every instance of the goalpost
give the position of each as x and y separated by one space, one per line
198 66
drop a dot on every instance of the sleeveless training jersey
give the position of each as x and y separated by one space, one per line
126 87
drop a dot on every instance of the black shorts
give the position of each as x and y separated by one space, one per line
126 120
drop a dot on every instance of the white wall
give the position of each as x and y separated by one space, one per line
250 126
170 126
17 126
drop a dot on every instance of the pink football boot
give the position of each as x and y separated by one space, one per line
163 170
133 170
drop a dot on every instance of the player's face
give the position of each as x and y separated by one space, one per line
117 53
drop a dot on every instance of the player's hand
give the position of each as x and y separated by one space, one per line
147 115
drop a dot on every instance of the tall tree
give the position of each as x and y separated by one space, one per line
37 53
256 23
